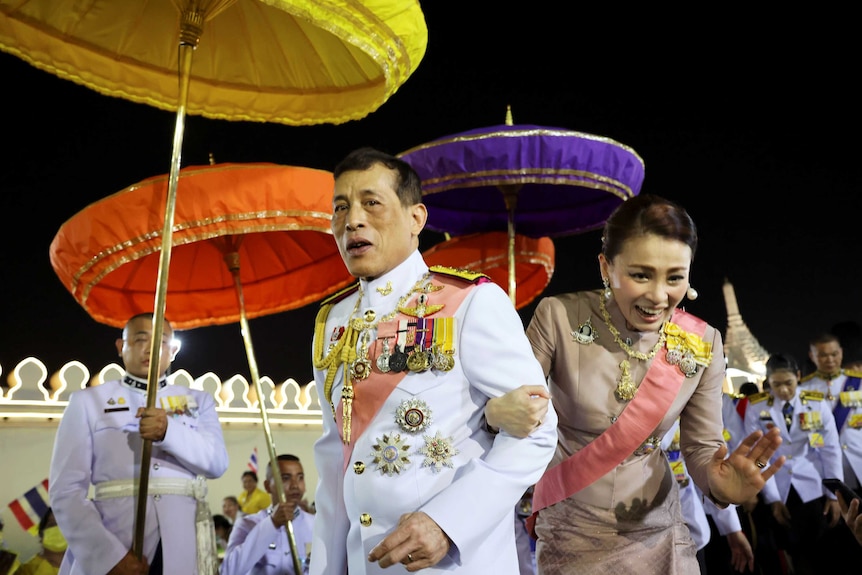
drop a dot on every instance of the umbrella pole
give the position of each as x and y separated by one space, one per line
232 261
510 195
185 57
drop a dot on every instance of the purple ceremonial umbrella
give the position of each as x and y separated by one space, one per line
539 180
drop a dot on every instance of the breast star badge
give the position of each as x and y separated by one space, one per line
438 451
390 454
413 415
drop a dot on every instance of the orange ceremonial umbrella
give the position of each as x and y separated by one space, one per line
489 253
272 219
260 230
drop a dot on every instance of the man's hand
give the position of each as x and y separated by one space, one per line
130 565
417 542
832 511
741 554
520 411
282 514
781 513
852 515
154 423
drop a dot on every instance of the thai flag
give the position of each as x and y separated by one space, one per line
30 507
252 461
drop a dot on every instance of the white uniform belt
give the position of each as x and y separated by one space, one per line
196 487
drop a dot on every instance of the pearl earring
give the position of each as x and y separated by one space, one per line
608 292
691 293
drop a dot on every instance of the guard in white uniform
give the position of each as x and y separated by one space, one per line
259 543
802 507
99 443
405 362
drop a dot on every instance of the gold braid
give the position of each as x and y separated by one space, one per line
342 353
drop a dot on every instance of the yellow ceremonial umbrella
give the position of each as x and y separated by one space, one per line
296 62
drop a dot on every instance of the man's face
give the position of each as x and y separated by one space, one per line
292 479
374 232
827 357
134 347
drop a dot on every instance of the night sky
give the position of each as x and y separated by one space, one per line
755 134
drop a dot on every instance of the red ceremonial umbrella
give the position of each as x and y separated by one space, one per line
488 253
539 181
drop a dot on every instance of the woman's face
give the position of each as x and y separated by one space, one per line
649 278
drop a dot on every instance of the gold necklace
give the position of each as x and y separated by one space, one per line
626 388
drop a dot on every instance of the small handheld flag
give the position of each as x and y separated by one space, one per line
252 460
30 507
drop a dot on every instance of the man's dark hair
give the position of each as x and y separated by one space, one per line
408 185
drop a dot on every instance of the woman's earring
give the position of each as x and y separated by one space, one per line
608 292
691 293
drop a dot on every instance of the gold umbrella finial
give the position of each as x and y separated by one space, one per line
212 159
509 121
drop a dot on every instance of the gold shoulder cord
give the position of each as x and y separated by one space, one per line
342 353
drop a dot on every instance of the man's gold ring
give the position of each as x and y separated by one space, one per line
410 558
759 464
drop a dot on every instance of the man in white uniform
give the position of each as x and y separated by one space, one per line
410 475
99 443
259 543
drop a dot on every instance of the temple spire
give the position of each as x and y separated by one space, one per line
744 353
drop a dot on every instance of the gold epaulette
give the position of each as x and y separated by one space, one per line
852 373
340 295
808 377
460 273
758 397
808 395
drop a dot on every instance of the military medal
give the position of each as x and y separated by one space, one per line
390 454
360 368
398 360
417 361
438 452
585 334
413 415
383 358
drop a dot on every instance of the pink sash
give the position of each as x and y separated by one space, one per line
656 393
371 394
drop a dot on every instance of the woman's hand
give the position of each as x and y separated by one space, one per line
738 478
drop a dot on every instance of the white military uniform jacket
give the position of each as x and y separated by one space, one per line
98 441
449 467
256 547
850 432
811 455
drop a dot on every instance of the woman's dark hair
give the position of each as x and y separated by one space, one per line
251 474
647 214
408 185
781 362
